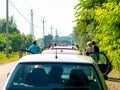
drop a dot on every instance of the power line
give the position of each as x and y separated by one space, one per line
22 14
35 26
19 11
22 6
28 3
32 7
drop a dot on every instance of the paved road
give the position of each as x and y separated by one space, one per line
4 70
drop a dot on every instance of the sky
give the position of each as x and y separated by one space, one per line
57 14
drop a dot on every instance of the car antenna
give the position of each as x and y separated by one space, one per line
56 54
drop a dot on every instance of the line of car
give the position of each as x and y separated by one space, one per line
59 69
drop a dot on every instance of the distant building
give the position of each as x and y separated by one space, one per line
48 41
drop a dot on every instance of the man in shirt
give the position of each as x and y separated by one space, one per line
96 48
34 48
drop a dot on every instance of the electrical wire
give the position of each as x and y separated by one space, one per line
19 12
32 7
35 26
35 12
22 14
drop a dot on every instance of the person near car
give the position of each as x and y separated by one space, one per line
76 47
89 48
34 48
96 48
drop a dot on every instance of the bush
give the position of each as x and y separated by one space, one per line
12 57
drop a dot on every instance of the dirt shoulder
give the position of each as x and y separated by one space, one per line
113 81
4 70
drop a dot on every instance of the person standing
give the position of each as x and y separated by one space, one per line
34 48
89 48
96 48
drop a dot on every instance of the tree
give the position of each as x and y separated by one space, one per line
108 30
85 22
17 40
12 26
2 42
99 20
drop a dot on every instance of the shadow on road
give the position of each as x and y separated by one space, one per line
113 79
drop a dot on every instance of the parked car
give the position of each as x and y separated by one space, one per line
100 58
51 72
61 51
62 48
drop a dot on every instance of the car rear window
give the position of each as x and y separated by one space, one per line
54 76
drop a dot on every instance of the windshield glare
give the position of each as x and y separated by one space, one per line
53 76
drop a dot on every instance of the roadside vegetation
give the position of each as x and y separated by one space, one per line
12 57
99 20
16 41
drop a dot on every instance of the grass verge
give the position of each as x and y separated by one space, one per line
12 57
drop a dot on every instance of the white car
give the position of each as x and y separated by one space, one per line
62 47
99 57
55 72
61 51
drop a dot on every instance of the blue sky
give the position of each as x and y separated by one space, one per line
58 13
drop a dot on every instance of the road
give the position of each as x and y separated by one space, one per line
4 70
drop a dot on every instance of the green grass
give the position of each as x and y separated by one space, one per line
12 57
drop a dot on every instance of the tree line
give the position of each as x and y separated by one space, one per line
99 20
19 41
16 40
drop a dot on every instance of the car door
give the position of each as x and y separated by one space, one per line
103 62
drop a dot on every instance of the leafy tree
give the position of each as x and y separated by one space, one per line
99 20
27 41
16 40
85 27
2 26
12 26
2 42
108 30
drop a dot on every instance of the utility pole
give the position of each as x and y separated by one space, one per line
7 33
43 22
51 28
56 36
32 25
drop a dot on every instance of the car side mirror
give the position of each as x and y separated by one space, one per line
105 77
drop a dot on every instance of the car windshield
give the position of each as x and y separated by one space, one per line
54 76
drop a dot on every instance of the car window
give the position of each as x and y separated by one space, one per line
50 76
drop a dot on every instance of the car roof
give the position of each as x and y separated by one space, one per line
62 51
62 47
60 58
